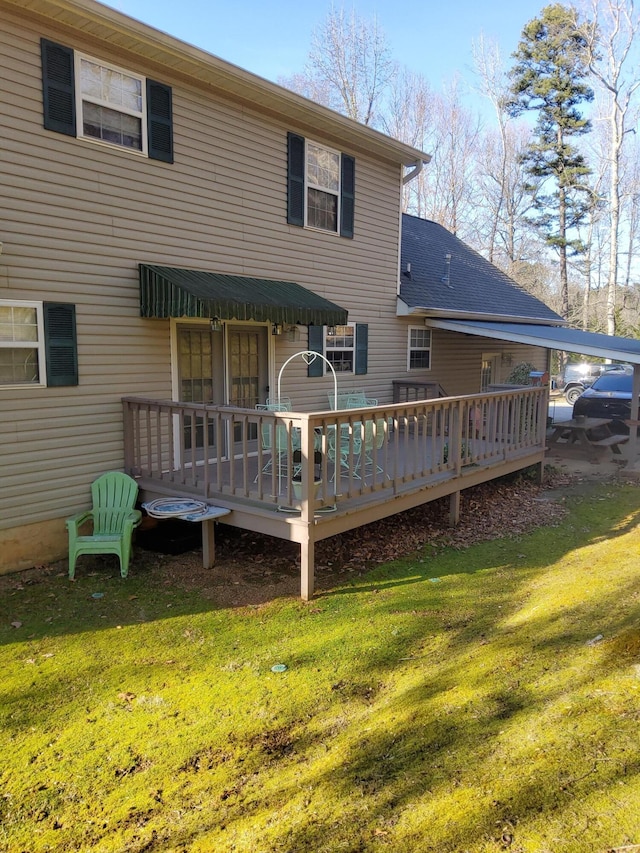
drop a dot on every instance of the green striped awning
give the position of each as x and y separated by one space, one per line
173 292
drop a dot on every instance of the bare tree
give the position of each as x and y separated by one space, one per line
494 85
440 124
449 186
500 162
505 199
631 206
611 36
349 66
409 117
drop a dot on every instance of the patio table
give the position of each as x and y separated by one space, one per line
575 438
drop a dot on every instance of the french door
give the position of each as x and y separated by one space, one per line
227 367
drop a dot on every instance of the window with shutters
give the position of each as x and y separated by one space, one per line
345 347
340 347
22 352
111 104
321 187
38 345
93 100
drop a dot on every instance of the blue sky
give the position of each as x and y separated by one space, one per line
271 38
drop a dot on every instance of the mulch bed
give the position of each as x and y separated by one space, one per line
253 568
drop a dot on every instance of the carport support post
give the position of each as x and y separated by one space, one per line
634 461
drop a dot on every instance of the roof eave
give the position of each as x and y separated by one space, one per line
426 312
124 34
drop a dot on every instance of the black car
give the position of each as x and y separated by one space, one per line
608 397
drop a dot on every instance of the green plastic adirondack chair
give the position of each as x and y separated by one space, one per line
114 518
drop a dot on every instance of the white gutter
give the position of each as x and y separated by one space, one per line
417 168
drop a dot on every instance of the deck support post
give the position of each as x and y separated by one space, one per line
208 543
307 569
540 473
454 509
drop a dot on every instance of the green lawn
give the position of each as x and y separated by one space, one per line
448 702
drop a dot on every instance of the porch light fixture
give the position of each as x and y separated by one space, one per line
216 325
276 329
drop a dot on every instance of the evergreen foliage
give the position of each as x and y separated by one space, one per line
549 77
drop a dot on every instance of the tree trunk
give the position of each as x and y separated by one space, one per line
562 233
614 214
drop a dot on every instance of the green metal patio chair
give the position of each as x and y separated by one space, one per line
275 441
114 519
374 437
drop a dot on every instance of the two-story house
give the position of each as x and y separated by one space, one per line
174 228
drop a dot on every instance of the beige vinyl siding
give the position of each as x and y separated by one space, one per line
456 360
78 218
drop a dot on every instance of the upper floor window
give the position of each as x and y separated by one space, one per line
111 103
37 344
91 99
419 348
321 187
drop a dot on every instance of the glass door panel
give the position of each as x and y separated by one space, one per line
200 378
248 376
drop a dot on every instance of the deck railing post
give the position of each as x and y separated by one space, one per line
127 418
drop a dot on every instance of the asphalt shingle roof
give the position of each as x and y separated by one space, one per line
465 283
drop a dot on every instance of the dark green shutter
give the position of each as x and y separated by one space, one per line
58 88
60 343
347 195
362 347
316 344
159 121
295 179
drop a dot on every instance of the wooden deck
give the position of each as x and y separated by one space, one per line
306 476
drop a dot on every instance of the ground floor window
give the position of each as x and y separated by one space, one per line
21 343
340 347
419 348
345 348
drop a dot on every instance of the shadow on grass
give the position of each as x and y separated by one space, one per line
52 606
462 718
593 518
496 735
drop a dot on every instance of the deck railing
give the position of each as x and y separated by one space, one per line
316 461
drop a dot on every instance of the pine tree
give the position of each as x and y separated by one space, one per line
549 78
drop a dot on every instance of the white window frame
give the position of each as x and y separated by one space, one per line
352 349
309 185
38 345
412 349
81 98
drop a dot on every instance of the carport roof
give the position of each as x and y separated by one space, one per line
551 337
